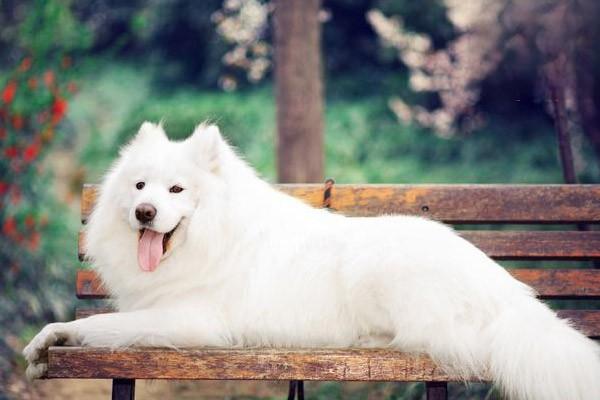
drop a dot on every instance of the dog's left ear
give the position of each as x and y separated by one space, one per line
207 146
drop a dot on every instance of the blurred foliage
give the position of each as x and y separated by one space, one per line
364 143
33 105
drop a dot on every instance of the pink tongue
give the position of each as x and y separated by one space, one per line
150 250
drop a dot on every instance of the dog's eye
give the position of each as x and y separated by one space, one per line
140 185
175 189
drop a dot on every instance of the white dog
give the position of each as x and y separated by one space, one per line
196 250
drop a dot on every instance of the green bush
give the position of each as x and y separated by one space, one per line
33 229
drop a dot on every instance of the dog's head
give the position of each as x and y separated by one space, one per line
156 185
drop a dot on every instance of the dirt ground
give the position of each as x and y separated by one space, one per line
92 389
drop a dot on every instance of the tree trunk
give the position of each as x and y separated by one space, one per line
299 90
585 85
555 73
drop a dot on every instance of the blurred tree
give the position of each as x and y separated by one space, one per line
586 67
299 91
498 44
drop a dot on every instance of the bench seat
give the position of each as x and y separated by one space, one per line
561 262
257 363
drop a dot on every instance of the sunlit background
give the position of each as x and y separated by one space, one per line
429 91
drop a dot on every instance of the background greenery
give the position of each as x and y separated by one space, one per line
140 60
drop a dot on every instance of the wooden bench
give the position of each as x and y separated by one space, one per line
562 206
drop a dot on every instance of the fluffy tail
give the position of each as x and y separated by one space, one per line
536 356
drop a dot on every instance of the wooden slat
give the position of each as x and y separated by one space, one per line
514 245
268 364
587 321
84 312
549 283
566 284
538 245
457 204
88 285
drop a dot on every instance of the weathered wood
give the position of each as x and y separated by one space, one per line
450 203
513 245
268 364
436 390
561 283
88 285
540 245
123 389
587 321
549 283
84 312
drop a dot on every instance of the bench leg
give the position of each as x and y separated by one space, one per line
292 390
296 387
123 389
436 390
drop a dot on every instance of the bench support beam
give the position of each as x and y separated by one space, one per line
123 389
436 390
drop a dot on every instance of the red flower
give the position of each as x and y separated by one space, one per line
10 226
34 241
32 82
66 62
59 108
31 152
49 78
19 238
9 91
15 196
72 87
10 152
25 64
29 221
3 188
17 121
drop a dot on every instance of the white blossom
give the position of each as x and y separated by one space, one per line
242 23
454 72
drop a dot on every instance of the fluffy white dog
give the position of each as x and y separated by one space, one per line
196 250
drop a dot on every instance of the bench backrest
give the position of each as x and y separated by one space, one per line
563 207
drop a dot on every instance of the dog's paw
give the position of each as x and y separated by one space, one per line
36 352
35 371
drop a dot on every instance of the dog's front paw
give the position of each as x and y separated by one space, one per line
36 352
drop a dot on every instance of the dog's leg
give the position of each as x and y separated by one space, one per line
178 327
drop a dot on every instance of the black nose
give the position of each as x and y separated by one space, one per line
145 213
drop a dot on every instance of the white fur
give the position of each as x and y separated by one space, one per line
250 266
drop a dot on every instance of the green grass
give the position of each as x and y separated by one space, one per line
364 141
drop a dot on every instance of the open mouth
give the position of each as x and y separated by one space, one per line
152 246
165 239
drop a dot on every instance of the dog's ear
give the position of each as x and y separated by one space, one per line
149 131
206 144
